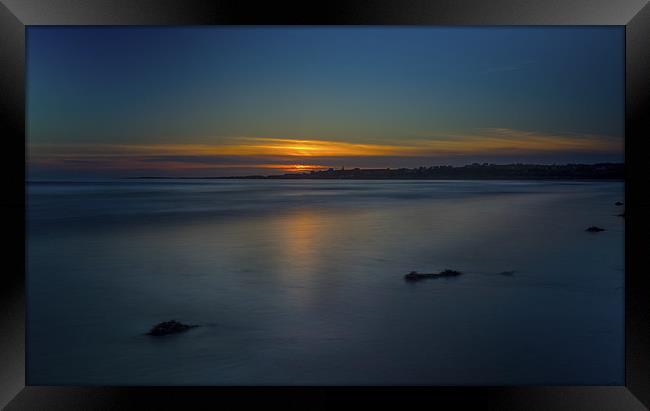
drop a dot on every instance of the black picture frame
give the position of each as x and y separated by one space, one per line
16 15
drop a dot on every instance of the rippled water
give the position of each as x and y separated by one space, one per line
301 282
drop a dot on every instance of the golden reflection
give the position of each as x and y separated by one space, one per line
300 233
299 237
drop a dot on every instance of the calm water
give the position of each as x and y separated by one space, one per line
301 282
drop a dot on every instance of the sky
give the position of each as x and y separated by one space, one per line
224 101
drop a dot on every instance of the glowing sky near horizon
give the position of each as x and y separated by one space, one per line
231 101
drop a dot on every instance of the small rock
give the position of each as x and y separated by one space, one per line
618 203
594 229
169 327
415 276
507 273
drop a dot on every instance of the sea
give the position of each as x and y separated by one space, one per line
301 282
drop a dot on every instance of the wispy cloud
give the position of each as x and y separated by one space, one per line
303 154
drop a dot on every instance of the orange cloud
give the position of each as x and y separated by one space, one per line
278 153
243 146
491 139
138 164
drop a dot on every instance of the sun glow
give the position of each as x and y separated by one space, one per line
300 167
485 140
299 155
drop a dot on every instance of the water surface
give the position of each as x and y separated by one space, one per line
301 282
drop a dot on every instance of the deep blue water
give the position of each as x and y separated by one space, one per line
301 282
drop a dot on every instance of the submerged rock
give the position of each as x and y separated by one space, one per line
169 327
594 229
621 215
507 273
618 203
415 276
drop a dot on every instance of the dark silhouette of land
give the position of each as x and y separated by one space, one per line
476 171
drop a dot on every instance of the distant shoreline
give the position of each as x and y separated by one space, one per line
375 179
586 172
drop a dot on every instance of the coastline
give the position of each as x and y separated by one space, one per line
553 172
375 178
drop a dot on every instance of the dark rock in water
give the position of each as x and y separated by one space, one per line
621 215
449 273
618 203
169 327
415 276
594 229
507 273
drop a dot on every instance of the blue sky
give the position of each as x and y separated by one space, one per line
120 101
